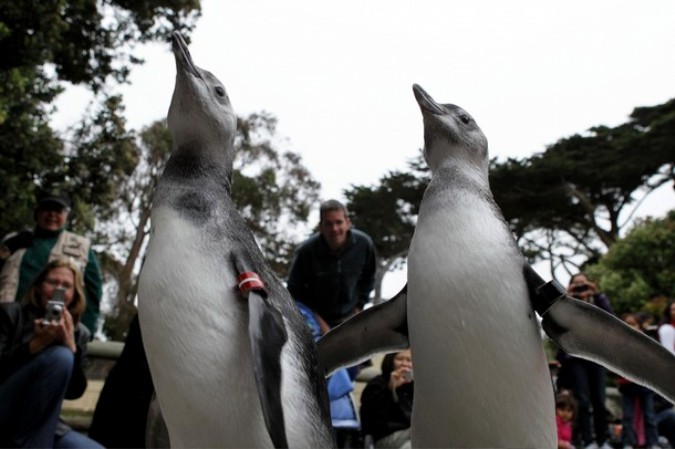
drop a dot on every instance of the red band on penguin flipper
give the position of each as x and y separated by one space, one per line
248 281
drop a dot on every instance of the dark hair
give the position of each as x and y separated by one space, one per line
565 400
624 316
644 317
667 316
388 363
331 205
581 273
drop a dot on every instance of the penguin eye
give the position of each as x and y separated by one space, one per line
465 119
220 91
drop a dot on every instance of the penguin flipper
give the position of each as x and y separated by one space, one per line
381 328
268 335
586 331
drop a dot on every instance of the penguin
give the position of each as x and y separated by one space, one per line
468 312
232 360
480 365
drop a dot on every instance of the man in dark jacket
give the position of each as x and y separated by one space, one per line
333 272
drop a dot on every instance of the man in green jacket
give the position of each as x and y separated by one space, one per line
26 253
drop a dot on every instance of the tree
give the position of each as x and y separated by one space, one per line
46 43
565 204
89 165
640 266
30 150
273 191
124 235
388 213
85 41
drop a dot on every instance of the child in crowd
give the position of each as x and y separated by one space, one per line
565 411
638 426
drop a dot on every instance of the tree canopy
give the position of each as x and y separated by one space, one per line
109 170
566 205
388 213
569 204
273 191
45 44
640 266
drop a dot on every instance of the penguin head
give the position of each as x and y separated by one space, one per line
200 115
451 134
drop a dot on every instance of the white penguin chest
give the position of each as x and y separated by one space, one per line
187 279
475 343
194 326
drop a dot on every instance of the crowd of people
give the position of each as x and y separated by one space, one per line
43 342
581 387
332 276
25 254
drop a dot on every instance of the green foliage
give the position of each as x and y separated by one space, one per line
564 204
388 213
273 191
90 168
103 156
30 152
89 42
123 245
86 41
530 197
640 266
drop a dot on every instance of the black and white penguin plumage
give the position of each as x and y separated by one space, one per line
468 312
231 367
481 374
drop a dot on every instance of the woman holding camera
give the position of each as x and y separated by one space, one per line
42 346
586 379
386 402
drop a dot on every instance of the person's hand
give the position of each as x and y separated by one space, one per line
323 326
47 334
399 377
44 335
68 331
582 290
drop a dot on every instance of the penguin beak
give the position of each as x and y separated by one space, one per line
425 101
182 55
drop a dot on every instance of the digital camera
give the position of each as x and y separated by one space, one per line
55 306
580 288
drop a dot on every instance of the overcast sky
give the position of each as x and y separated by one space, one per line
338 74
